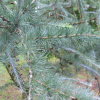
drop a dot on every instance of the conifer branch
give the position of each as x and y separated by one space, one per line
73 98
90 69
25 44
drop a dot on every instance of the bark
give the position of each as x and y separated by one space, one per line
98 81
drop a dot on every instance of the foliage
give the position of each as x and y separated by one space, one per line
32 31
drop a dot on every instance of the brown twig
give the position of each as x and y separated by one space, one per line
4 19
79 9
64 36
56 13
27 6
47 12
3 27
83 21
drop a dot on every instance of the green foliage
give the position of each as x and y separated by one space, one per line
35 32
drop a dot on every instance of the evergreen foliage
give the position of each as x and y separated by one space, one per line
36 31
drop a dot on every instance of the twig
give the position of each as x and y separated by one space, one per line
56 16
64 36
4 19
17 17
47 12
30 79
83 21
4 27
27 6
79 9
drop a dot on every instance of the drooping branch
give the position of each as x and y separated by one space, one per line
14 70
90 69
